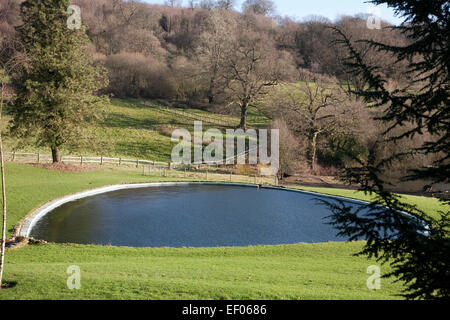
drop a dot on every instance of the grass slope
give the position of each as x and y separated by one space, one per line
131 129
431 206
319 271
303 271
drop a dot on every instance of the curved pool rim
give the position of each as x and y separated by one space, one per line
30 221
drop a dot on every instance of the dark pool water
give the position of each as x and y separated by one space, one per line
189 216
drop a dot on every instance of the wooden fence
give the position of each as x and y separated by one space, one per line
82 160
205 171
45 158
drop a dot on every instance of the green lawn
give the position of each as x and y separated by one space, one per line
319 271
431 206
304 271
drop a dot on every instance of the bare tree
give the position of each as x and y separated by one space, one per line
192 4
314 108
262 7
9 13
292 149
173 3
208 4
3 82
226 4
7 65
214 45
136 75
356 29
254 66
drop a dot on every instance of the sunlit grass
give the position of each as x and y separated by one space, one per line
131 129
302 271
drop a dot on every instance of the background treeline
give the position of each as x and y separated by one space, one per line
155 51
209 56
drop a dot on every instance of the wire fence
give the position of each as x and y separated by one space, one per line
213 120
82 160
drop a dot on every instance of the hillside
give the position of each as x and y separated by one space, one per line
139 129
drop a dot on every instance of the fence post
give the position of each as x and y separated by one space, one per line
170 165
137 163
101 160
38 157
120 161
81 160
14 156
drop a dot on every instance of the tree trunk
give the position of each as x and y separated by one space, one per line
55 155
244 111
212 86
2 164
314 152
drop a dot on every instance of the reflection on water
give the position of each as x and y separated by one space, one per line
193 216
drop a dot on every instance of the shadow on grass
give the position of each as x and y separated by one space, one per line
8 284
